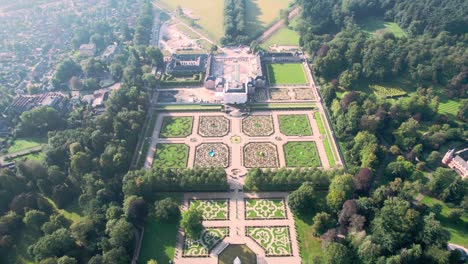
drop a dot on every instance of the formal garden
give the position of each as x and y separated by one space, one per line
212 155
286 74
295 125
303 93
261 155
212 209
213 126
176 127
171 156
202 246
301 154
275 240
262 209
258 125
280 94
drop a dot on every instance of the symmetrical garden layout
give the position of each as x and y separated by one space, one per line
262 140
261 222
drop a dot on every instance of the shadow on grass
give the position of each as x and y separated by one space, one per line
159 242
253 25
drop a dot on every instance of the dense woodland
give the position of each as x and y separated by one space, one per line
234 23
390 146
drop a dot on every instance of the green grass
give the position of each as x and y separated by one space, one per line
158 242
209 12
449 107
71 212
286 73
25 143
458 230
261 13
295 125
301 154
377 27
326 141
176 127
318 119
328 150
159 239
171 156
387 92
309 245
286 36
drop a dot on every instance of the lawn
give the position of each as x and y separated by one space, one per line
171 156
286 73
159 239
458 230
377 27
286 36
449 107
309 245
318 119
265 209
176 127
295 125
26 143
328 150
209 14
261 13
301 154
71 211
159 242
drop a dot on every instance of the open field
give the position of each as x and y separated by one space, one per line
378 27
286 73
261 13
208 14
25 143
458 229
286 36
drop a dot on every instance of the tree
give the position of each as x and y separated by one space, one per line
98 40
363 179
336 253
433 233
39 121
34 219
66 260
303 200
341 189
322 223
57 243
137 211
120 233
191 222
116 256
166 211
441 180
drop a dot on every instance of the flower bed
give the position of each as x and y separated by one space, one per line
258 125
261 155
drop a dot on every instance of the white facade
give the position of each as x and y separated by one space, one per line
235 98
